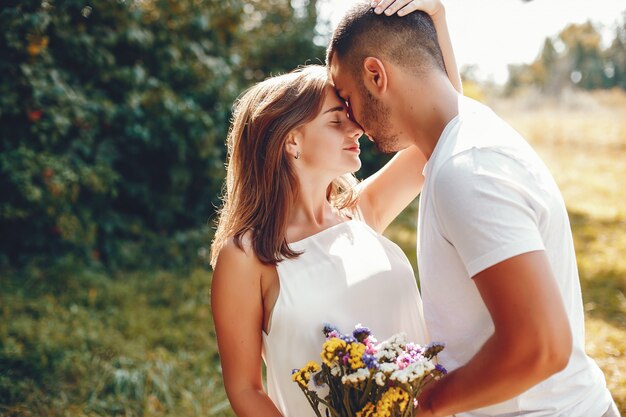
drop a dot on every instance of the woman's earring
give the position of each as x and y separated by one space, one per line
298 155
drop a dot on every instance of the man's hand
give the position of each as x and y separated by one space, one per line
532 339
423 402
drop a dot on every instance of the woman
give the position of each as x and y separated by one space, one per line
298 242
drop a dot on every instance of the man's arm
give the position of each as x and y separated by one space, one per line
532 339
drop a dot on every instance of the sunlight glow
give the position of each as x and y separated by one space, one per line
491 34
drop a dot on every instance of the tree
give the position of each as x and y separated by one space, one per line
113 124
584 54
581 61
615 56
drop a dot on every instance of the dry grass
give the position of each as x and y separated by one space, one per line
582 138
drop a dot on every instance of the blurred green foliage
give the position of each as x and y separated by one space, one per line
113 116
576 57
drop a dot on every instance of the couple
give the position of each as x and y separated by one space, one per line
299 241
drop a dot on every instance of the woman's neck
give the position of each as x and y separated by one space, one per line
311 213
313 210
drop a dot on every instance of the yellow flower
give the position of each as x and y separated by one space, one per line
303 375
392 398
356 351
312 366
330 350
369 410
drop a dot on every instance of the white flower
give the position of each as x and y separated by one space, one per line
387 368
390 349
400 376
352 379
413 372
379 378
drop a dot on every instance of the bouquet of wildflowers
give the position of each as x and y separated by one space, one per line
359 377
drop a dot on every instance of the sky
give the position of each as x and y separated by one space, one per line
491 34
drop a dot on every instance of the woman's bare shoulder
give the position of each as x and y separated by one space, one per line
238 256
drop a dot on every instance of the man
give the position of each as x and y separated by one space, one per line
497 264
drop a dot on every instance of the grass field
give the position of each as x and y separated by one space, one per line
584 144
86 344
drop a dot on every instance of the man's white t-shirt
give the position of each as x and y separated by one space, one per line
488 197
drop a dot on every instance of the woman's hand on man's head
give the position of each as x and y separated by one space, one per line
404 7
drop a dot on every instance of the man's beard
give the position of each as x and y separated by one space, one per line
375 117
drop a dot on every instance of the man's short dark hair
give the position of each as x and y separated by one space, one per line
409 41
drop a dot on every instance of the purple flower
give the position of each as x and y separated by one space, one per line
293 371
441 369
361 333
369 361
348 339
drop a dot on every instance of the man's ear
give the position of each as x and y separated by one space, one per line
293 143
375 75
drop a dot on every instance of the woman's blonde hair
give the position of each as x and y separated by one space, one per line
261 185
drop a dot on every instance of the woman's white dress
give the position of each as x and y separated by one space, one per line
348 274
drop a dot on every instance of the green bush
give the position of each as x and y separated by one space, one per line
113 116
